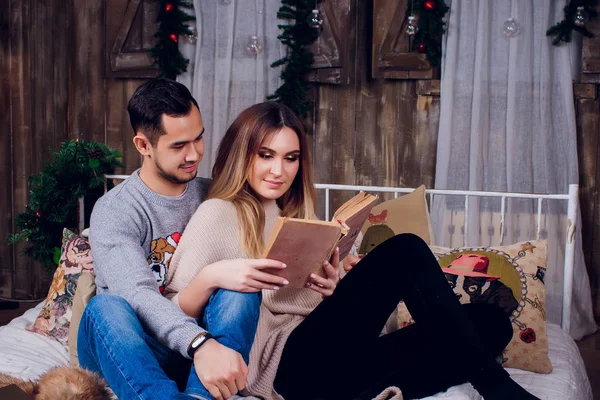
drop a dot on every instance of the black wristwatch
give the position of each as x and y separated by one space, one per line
198 341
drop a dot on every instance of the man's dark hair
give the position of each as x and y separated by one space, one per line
153 99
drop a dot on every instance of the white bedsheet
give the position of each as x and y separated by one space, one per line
568 380
28 355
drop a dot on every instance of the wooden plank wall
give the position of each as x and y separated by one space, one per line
6 194
587 109
53 89
587 112
34 117
374 131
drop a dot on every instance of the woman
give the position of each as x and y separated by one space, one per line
324 343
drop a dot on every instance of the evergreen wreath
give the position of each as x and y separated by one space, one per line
563 30
171 23
297 36
431 27
75 171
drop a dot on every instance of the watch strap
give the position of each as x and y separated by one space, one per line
198 341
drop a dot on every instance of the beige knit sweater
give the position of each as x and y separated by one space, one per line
213 234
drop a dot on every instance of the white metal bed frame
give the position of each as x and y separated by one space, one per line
573 203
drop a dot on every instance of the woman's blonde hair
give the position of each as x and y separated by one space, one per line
235 158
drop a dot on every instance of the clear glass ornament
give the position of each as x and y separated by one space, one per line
224 1
315 20
511 28
254 46
411 27
581 16
192 37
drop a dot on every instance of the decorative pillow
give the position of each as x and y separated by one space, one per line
512 277
406 214
55 317
86 289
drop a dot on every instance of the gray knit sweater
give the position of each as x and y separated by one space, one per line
133 234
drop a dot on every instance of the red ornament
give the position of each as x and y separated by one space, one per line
173 37
528 336
421 48
38 214
429 5
168 7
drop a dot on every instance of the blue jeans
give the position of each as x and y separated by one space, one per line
112 342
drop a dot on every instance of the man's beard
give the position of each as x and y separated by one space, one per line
172 178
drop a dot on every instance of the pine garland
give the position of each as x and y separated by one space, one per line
297 36
74 171
431 27
563 30
171 23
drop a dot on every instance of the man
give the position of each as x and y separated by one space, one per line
138 340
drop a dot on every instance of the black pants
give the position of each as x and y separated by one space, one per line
337 353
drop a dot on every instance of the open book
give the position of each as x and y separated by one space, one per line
304 244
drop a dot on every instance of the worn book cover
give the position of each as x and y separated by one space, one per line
304 244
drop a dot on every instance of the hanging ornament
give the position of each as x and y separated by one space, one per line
192 37
316 20
511 28
224 1
421 48
429 5
38 214
581 16
254 46
411 27
173 37
168 7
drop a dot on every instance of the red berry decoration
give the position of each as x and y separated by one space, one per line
528 335
421 48
173 37
429 5
168 7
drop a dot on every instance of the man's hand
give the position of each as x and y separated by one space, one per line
245 275
327 285
221 370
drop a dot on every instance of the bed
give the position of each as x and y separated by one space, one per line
28 355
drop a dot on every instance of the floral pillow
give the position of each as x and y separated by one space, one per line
512 277
75 259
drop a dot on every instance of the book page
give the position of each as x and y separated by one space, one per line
357 216
340 213
353 205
